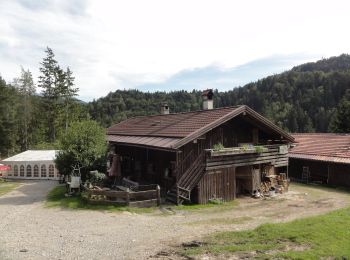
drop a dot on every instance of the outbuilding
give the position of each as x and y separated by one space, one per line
321 158
33 164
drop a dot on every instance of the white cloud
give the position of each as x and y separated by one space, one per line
122 44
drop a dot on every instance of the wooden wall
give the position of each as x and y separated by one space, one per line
147 166
217 184
334 174
339 174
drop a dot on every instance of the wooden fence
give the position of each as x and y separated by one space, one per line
144 196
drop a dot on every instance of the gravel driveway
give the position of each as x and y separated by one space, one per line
31 231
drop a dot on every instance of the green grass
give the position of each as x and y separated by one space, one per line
56 198
310 238
6 187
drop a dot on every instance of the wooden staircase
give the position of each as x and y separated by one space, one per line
182 190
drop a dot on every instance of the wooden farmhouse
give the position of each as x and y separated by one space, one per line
322 158
176 151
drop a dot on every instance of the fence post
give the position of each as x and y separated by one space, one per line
158 195
177 194
127 196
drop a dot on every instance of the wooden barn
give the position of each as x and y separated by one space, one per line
177 151
322 158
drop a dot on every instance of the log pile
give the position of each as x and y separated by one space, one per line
277 183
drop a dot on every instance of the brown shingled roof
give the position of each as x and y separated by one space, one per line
322 147
171 125
185 126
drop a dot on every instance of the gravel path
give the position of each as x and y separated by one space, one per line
31 231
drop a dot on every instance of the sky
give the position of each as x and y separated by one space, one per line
169 44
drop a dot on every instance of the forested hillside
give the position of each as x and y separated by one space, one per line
32 121
310 97
303 99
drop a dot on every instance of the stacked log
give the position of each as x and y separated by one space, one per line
278 183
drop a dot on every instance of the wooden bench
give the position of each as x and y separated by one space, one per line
126 183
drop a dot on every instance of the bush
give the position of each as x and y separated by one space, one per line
97 178
260 149
218 147
84 144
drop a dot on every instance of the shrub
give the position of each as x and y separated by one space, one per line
260 149
218 147
97 178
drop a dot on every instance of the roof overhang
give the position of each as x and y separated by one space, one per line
157 143
312 157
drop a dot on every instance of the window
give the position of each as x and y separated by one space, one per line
36 171
51 171
21 171
43 171
29 171
15 170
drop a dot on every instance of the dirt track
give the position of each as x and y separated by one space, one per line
43 233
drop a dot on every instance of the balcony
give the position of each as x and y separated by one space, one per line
276 155
246 149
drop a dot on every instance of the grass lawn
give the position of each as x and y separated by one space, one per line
57 198
317 237
6 186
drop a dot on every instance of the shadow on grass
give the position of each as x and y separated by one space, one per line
57 198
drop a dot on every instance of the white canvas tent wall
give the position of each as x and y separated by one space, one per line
33 164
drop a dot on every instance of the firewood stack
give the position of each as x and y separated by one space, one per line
279 183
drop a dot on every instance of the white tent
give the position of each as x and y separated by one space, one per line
33 164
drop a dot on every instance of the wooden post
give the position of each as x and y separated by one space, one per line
127 196
328 173
177 194
158 195
234 183
89 195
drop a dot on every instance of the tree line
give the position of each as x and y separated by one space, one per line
313 97
29 120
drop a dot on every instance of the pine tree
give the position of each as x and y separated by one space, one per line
341 121
49 82
69 91
26 88
8 108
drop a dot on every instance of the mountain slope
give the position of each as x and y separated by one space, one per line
299 100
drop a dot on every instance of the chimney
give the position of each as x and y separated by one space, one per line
208 99
164 109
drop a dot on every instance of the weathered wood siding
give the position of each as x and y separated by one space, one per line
217 184
334 174
339 174
272 156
